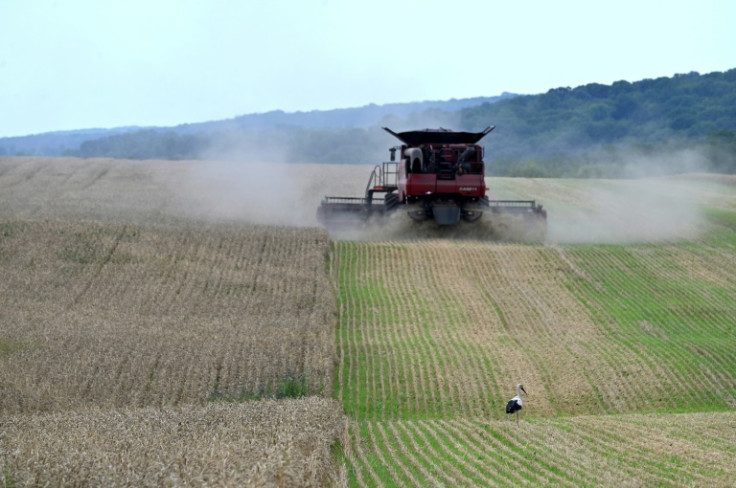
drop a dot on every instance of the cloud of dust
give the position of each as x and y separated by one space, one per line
644 207
226 185
399 226
603 211
642 212
242 181
258 193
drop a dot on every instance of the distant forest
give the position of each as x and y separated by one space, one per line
655 126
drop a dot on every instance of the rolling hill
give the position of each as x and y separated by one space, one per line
157 331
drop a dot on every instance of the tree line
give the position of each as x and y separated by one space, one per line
686 122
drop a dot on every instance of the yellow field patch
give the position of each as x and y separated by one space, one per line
266 443
119 315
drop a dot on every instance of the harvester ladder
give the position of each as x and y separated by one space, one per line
383 179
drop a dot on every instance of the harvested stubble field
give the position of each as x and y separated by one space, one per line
146 304
434 335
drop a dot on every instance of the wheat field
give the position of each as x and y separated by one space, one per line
264 443
186 323
148 342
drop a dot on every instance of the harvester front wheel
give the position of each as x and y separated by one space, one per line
472 215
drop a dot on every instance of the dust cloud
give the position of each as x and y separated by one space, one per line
276 192
258 193
643 206
399 226
579 211
626 211
238 182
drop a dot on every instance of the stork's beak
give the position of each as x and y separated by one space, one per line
522 389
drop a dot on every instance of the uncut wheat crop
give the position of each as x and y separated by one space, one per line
264 443
116 315
148 337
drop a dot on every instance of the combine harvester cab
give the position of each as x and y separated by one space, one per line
439 175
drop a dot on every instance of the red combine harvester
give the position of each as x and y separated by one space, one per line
440 175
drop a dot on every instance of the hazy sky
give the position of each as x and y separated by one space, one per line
73 64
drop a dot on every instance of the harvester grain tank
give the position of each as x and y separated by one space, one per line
436 174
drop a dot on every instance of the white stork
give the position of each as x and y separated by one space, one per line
514 405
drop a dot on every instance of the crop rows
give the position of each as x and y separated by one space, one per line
116 315
128 345
437 329
433 336
672 307
694 449
132 355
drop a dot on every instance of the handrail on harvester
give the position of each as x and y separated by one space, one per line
379 177
375 175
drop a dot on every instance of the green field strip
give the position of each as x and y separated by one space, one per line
443 455
350 390
633 349
409 378
443 322
485 455
435 342
416 351
412 335
372 326
425 454
384 455
371 463
675 347
433 327
421 343
454 453
423 467
373 347
344 338
620 341
389 369
636 461
397 453
453 369
534 450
